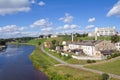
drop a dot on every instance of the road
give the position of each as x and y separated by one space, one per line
78 66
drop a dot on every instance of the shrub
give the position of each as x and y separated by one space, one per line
109 57
93 61
88 61
105 76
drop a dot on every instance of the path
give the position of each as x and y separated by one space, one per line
78 66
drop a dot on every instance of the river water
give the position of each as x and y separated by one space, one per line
16 65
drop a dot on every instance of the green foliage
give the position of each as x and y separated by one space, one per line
81 35
115 54
115 38
39 43
53 42
91 61
105 76
109 57
2 42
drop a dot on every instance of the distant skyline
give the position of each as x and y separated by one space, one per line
34 17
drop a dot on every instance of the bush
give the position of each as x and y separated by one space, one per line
89 61
105 76
109 57
93 61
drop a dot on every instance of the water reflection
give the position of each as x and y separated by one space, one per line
15 64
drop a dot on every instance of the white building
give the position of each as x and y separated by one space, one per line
54 35
91 47
117 45
106 31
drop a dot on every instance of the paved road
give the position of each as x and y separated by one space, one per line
78 66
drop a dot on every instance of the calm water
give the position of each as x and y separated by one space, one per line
16 65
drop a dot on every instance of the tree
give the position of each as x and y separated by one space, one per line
39 43
41 36
53 42
115 38
2 42
105 76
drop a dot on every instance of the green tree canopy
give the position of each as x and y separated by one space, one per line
115 38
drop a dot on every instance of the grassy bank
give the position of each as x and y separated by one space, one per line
67 59
46 64
110 67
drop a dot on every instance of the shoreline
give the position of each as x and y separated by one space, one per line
3 47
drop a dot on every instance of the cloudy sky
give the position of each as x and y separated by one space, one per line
34 17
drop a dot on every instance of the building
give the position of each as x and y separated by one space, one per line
94 48
54 35
117 45
106 31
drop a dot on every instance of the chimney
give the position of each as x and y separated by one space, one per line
72 37
95 35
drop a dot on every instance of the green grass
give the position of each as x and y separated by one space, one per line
36 41
75 74
110 67
75 61
70 60
46 64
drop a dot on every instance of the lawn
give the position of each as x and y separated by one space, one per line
110 67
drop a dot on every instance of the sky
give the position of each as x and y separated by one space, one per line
36 17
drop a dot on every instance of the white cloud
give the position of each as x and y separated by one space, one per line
48 29
90 26
67 18
115 10
41 3
32 1
11 28
11 31
41 23
67 26
91 19
13 6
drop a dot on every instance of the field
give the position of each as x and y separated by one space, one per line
110 67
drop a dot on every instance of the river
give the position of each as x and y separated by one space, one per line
16 65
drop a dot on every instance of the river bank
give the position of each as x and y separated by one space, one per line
2 47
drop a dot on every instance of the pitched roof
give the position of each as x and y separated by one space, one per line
86 42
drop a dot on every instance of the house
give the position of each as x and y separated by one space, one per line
58 48
105 31
54 35
117 45
91 47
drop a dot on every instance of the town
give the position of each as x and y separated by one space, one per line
89 49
